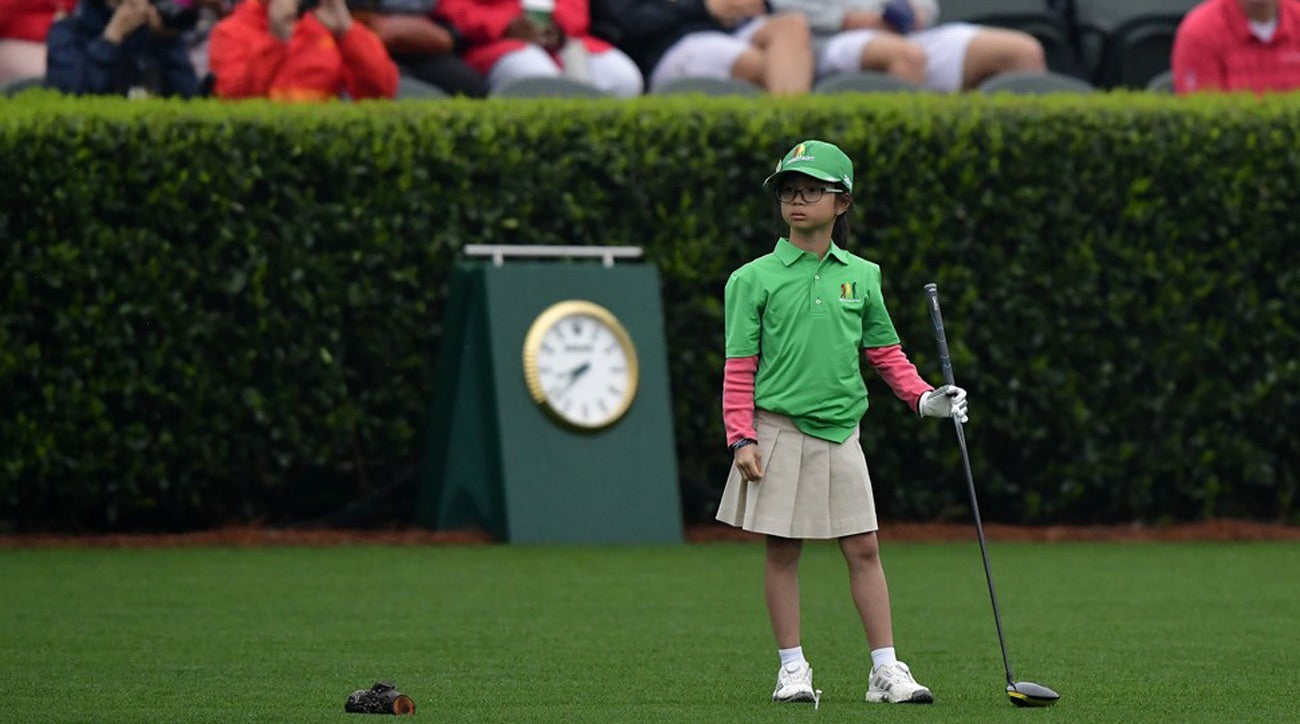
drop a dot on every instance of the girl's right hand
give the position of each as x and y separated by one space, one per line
749 461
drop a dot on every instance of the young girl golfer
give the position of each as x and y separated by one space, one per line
798 320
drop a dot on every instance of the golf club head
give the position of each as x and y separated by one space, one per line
1027 693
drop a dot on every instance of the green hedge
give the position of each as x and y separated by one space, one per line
230 313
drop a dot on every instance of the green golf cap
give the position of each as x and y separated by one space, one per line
818 159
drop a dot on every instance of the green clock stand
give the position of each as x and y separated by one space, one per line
551 416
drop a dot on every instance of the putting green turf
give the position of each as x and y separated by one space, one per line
1189 632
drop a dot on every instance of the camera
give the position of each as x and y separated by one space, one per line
176 15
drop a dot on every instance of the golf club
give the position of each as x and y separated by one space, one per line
1021 693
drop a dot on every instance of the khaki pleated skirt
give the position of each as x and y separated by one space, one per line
811 488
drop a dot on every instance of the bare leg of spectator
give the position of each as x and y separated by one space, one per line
783 60
21 59
994 50
894 55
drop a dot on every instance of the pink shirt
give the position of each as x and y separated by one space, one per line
1216 50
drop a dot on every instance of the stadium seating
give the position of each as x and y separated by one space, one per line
1127 43
547 87
409 89
707 86
1034 84
863 82
1163 83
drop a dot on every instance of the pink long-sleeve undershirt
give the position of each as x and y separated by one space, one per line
738 398
738 373
899 373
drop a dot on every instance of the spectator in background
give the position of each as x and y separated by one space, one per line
277 49
209 13
424 48
1237 45
899 37
23 27
504 42
121 47
741 39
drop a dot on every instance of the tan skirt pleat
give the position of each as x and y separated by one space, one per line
811 488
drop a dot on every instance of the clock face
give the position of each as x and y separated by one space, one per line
580 365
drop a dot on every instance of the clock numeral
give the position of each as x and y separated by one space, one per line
615 391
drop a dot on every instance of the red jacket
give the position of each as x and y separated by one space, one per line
1215 50
482 23
31 19
313 65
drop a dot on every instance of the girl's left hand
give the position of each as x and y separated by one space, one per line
946 401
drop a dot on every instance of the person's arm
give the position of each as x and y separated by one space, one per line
368 70
371 72
245 57
743 303
738 415
67 58
1197 62
479 21
901 376
76 63
738 398
899 373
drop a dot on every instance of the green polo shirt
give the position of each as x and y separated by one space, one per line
808 321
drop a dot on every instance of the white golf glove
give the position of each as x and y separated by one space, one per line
946 401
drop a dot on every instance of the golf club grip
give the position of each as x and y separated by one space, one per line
936 318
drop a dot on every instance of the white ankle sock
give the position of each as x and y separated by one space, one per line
882 656
794 655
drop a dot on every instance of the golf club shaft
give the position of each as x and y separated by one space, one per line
936 317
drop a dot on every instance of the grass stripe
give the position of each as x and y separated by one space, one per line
1156 632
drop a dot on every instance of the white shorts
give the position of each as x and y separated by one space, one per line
944 45
707 54
611 71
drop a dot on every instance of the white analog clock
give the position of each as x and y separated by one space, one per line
580 365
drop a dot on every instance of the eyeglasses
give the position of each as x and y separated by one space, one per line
811 195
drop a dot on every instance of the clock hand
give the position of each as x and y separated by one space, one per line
573 375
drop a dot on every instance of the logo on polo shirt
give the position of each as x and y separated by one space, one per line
849 292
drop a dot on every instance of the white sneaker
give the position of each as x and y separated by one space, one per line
794 683
893 684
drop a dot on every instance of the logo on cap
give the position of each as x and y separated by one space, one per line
798 155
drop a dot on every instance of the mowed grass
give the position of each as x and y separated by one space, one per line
1188 632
